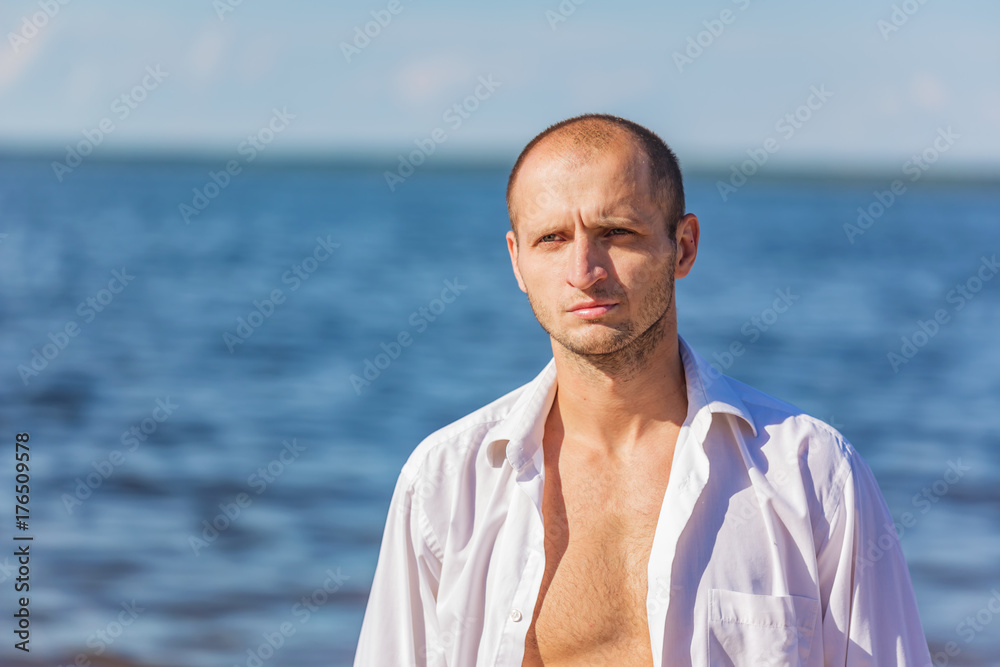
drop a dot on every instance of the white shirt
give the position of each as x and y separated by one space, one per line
774 545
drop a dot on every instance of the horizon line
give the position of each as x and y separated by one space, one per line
380 161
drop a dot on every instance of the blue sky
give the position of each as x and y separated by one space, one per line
889 92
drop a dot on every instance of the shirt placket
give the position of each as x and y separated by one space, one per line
688 477
529 564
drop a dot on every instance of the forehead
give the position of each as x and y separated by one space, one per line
564 172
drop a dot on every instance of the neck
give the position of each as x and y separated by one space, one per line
613 404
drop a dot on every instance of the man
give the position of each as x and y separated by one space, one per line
630 506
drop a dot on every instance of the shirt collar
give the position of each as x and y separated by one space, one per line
707 387
518 436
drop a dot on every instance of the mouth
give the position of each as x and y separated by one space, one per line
592 310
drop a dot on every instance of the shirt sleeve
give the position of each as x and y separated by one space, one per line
870 616
400 624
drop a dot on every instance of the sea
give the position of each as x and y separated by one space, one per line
217 404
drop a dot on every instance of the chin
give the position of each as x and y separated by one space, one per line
600 339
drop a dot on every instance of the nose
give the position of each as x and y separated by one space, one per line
586 263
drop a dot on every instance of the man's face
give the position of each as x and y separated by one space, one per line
592 250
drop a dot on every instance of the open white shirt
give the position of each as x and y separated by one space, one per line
774 545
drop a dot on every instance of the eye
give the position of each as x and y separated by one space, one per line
548 237
618 231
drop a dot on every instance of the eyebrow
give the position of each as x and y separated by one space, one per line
613 221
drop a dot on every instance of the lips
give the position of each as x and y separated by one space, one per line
591 309
591 304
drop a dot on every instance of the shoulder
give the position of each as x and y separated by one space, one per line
443 472
454 445
771 413
795 443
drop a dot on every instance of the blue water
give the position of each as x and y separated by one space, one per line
322 512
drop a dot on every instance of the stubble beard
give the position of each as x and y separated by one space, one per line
624 353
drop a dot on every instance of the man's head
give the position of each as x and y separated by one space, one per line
597 215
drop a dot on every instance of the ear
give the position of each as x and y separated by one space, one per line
687 244
512 249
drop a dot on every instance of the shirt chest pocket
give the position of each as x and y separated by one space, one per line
747 630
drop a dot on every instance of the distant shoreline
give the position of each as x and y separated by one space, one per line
378 163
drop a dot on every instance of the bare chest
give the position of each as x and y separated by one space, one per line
599 527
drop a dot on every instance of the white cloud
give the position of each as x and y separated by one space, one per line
205 57
14 64
928 91
424 80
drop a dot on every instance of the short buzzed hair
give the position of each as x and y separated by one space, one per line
594 132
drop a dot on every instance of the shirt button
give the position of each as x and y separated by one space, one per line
515 615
